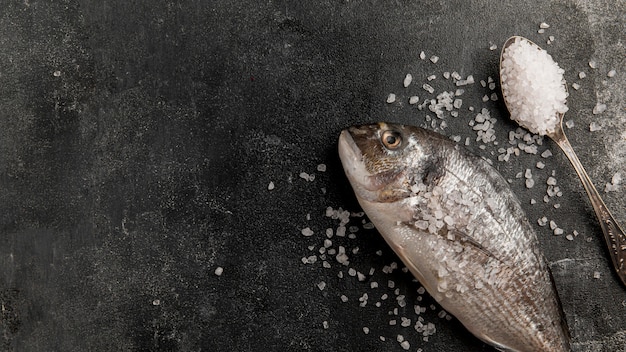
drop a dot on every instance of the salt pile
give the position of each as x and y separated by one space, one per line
533 86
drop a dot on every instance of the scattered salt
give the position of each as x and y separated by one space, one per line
611 73
407 80
593 64
414 100
594 126
428 88
219 271
321 167
546 154
599 108
307 232
391 98
270 186
434 59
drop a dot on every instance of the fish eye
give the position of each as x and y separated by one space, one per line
391 139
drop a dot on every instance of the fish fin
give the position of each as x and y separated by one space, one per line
562 322
406 259
464 238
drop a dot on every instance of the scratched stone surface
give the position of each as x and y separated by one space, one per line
138 141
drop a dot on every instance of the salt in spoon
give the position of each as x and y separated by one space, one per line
613 233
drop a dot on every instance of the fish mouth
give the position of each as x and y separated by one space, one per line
348 150
353 163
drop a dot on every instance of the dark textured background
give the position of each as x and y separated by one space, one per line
138 138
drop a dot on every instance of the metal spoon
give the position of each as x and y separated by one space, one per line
613 233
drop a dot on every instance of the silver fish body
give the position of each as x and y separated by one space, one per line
458 227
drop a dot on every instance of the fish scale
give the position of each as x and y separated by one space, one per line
484 264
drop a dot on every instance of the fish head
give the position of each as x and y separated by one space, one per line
383 161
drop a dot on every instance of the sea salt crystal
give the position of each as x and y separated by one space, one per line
219 271
422 55
307 232
533 87
596 274
616 179
391 98
599 108
270 186
611 73
366 330
576 86
594 126
546 154
307 177
434 59
361 277
407 80
427 87
414 100
321 285
544 25
593 64
321 167
325 324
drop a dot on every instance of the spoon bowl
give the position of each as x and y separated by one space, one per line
613 234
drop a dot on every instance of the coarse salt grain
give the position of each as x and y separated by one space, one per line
219 271
593 64
270 186
533 87
391 98
407 80
599 108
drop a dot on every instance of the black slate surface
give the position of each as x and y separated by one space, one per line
138 140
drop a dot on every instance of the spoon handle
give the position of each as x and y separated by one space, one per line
613 234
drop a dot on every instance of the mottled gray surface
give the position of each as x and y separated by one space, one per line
137 141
